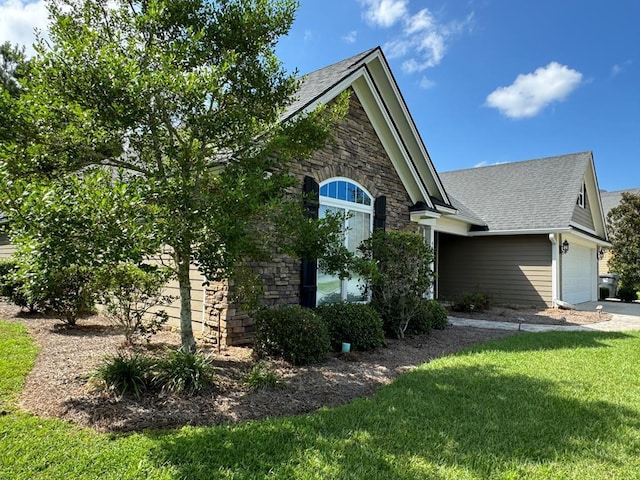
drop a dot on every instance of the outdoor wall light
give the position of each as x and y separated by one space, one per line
601 254
564 247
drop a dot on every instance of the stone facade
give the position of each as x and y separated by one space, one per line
356 153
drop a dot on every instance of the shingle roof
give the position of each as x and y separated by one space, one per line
314 84
612 199
530 195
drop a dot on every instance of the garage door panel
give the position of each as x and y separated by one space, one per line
577 274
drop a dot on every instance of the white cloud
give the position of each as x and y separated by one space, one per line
530 93
424 40
426 84
617 69
484 163
18 19
384 13
351 37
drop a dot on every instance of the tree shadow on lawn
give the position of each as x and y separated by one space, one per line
430 423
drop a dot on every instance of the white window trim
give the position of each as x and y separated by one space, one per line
348 206
581 197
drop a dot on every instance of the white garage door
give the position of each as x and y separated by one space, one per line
578 276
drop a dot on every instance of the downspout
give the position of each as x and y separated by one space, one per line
555 270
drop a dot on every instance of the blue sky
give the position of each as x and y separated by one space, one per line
487 81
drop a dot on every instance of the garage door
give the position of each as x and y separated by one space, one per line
578 274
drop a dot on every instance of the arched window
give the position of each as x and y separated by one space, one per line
341 195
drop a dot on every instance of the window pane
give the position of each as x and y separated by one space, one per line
329 287
354 291
359 225
342 190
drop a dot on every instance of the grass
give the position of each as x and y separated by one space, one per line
534 406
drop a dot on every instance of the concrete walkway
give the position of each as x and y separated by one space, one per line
625 317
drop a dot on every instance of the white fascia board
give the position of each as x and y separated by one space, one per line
413 131
583 228
452 225
589 240
390 138
535 231
594 191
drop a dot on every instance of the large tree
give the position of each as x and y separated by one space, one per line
185 96
624 229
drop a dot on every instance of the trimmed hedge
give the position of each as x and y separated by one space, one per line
354 323
291 332
431 315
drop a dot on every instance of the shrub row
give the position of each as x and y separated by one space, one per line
301 336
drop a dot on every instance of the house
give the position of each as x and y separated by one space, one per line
500 230
542 230
609 201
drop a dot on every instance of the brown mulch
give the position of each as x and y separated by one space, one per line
59 384
549 316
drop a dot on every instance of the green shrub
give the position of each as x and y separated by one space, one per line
262 377
125 374
129 294
11 287
627 293
431 315
397 269
183 373
471 302
354 323
437 314
291 332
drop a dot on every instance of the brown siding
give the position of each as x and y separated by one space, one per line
511 270
356 153
6 249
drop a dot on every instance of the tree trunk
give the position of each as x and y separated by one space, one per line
186 329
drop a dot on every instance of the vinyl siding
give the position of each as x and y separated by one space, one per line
511 270
583 216
6 249
173 310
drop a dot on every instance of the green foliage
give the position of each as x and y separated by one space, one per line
11 287
187 98
432 315
263 377
627 293
471 302
183 372
354 323
13 67
294 333
397 268
623 222
125 373
131 295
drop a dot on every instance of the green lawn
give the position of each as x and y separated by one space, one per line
553 405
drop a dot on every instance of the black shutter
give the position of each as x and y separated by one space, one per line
380 213
309 267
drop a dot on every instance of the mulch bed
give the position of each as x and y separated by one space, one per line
59 384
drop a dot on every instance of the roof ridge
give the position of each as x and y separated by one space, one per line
518 162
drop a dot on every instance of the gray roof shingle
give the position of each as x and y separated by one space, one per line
530 195
316 83
612 199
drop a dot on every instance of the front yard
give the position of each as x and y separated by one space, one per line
554 405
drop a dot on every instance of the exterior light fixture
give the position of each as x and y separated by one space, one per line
564 247
601 254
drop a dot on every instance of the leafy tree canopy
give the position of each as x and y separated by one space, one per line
186 98
624 229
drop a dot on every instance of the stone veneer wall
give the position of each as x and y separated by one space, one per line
355 153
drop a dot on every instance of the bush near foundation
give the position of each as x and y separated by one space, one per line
354 323
293 333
